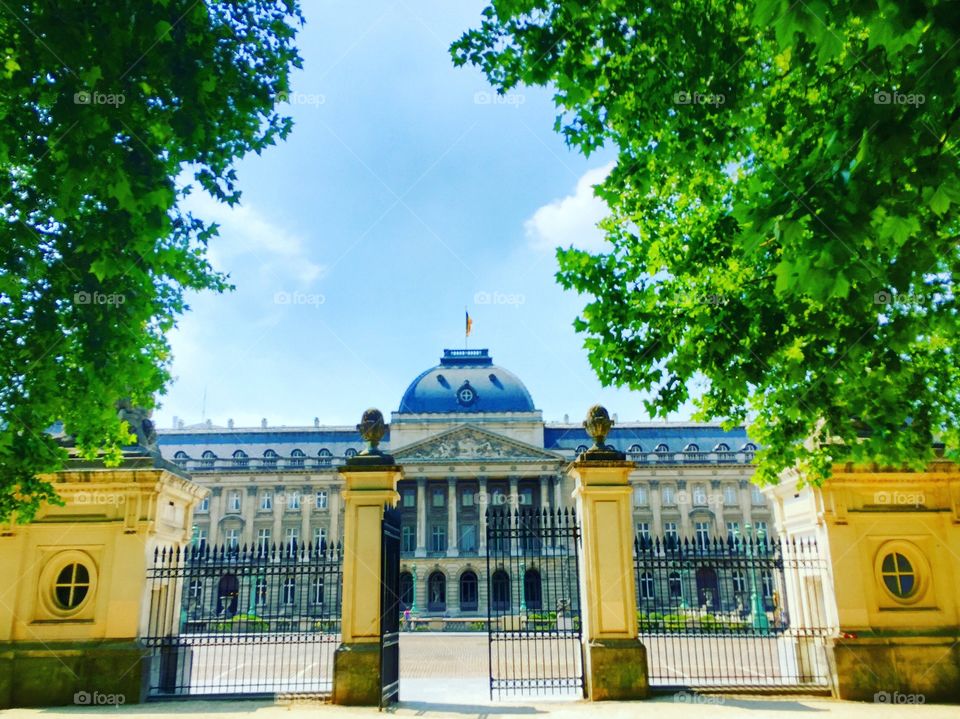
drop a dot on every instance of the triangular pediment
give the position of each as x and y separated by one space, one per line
472 444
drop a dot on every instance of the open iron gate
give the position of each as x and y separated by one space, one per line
390 608
533 603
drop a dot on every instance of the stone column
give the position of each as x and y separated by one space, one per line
746 501
370 482
278 506
513 504
217 499
482 507
656 507
558 492
306 505
683 492
249 514
333 504
421 550
452 548
544 493
615 662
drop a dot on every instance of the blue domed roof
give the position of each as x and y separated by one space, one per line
466 381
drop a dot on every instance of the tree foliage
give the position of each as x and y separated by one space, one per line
111 112
784 208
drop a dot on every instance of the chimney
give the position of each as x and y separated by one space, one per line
180 424
209 424
566 419
263 423
176 421
230 423
316 422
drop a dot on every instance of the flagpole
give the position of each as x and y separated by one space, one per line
466 332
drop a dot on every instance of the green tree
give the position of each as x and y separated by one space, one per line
110 113
784 208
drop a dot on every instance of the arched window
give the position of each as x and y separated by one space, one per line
722 447
692 448
635 449
325 456
181 458
437 592
500 589
532 589
646 585
269 458
662 452
296 458
207 460
350 452
228 593
468 592
240 458
748 449
581 449
406 590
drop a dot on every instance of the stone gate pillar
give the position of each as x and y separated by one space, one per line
370 483
615 662
73 582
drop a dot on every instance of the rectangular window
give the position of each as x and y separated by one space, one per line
408 539
266 501
756 496
439 497
670 535
643 531
668 495
291 536
730 495
526 497
200 537
639 496
761 528
466 499
232 537
409 498
438 538
293 500
702 531
234 502
322 499
468 537
263 539
700 495
319 536
204 504
733 530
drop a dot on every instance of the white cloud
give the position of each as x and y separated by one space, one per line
247 235
571 220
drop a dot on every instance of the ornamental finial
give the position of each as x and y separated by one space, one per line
598 424
371 429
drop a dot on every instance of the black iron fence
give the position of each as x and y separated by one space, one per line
243 620
744 612
533 603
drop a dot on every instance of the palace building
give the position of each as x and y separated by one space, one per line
469 436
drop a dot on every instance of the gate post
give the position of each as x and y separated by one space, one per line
615 662
370 482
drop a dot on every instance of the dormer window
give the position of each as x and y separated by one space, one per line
240 458
297 458
207 460
269 458
325 456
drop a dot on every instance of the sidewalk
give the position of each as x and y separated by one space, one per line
665 707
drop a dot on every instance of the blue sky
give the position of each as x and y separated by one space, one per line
406 192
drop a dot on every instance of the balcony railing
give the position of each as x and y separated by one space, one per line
259 464
690 457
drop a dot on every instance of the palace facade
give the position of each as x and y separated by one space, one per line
468 436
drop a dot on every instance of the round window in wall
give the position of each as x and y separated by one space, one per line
899 576
71 586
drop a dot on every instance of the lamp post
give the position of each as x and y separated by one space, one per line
523 588
413 604
758 614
